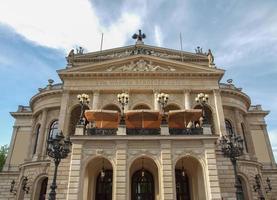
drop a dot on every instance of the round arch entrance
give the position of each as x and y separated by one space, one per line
189 179
144 182
98 180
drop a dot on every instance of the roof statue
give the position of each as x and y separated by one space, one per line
139 37
211 58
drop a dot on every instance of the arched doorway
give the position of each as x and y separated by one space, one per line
41 188
189 179
143 185
144 182
243 187
98 181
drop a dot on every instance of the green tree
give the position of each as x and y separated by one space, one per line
3 155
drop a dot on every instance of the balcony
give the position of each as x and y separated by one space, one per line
144 123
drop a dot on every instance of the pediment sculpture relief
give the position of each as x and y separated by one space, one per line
140 66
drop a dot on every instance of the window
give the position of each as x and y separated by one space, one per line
36 139
53 129
229 128
141 107
243 133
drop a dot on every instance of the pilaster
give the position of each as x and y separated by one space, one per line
156 103
212 172
167 192
220 119
42 135
63 112
73 189
9 156
187 100
121 171
95 100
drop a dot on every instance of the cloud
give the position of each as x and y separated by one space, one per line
66 23
158 36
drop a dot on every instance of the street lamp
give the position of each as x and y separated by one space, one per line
202 99
84 101
123 99
58 148
232 147
162 99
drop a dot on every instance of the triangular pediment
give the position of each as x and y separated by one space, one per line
141 64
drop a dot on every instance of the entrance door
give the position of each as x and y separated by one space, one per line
143 185
43 188
104 186
182 185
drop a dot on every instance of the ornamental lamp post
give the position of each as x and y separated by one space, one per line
58 148
162 99
84 101
202 99
232 147
123 99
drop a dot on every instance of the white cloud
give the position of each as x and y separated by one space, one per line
65 23
273 140
158 36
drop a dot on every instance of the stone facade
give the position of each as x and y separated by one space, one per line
143 71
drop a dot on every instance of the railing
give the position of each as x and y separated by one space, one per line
101 131
186 131
143 131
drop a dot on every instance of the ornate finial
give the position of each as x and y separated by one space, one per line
198 50
139 37
80 50
230 81
50 81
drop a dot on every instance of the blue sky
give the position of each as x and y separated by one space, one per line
35 36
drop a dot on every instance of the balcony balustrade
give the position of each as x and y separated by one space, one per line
145 122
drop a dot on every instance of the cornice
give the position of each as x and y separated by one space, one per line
238 94
43 94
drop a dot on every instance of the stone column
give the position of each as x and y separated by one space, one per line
9 156
251 148
42 134
187 100
212 173
95 100
155 102
64 115
121 171
220 119
167 190
73 191
238 123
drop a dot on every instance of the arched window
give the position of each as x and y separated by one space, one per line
171 107
74 118
141 107
229 128
208 115
104 186
53 129
36 138
143 185
242 188
111 107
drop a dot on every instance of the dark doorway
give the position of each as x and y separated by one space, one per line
143 185
182 185
104 186
43 189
